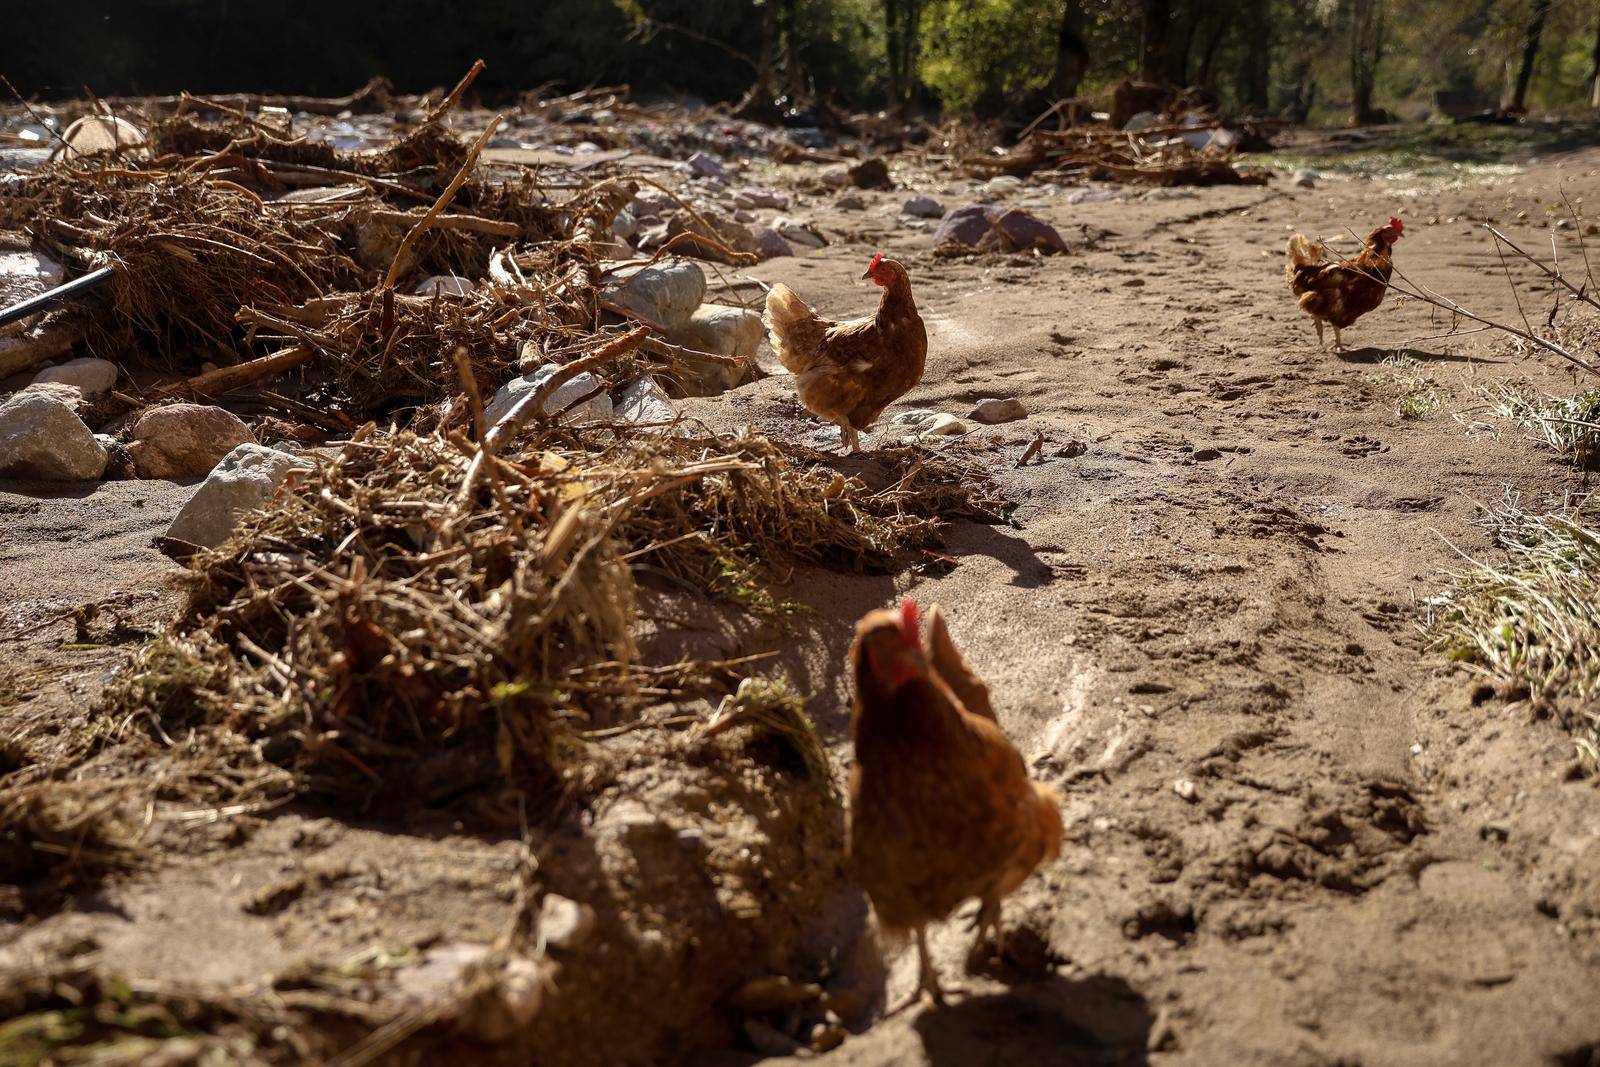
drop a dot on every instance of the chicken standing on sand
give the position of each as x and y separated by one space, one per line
848 372
941 806
1340 293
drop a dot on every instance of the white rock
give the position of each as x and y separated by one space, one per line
922 207
596 409
1094 196
446 285
1185 789
1170 194
722 331
101 133
992 410
246 479
88 376
798 232
42 437
924 423
664 295
644 401
25 274
564 924
624 224
1306 178
69 395
835 175
1002 184
1143 120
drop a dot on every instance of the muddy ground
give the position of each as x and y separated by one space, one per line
1212 575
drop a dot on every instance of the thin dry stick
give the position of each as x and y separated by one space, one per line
455 94
440 204
1555 275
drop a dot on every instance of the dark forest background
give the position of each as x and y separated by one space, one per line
1322 59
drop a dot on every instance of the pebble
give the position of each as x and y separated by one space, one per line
247 478
991 410
1306 178
447 285
798 232
1185 789
922 207
850 202
564 924
184 440
927 423
88 376
704 165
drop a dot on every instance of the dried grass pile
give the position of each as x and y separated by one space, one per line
399 630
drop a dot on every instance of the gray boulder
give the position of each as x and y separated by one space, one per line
42 437
663 295
184 440
88 376
922 207
245 479
597 408
722 331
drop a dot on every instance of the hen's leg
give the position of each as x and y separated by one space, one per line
1338 342
988 918
1322 345
927 979
851 438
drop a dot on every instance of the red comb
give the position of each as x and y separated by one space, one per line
875 261
911 621
1396 225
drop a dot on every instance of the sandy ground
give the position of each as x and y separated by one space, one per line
1378 865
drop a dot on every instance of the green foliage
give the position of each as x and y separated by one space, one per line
981 51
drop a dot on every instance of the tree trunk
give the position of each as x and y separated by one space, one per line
1255 86
1366 52
1154 29
1516 94
1594 74
757 100
1181 43
1072 54
902 25
1205 74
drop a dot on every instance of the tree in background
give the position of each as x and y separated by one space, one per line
1366 52
902 39
1516 93
1072 53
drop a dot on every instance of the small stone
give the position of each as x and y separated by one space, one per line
644 401
88 376
835 175
246 479
446 285
703 165
564 924
992 411
850 202
1185 789
93 134
1094 196
624 224
1205 455
922 207
184 440
597 408
770 243
1306 178
758 197
42 437
717 228
870 173
924 423
798 232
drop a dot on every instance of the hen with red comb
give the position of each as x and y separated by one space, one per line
848 372
941 806
1337 294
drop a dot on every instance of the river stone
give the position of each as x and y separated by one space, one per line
42 437
770 243
663 295
88 376
245 479
644 401
723 331
597 409
184 440
991 410
922 207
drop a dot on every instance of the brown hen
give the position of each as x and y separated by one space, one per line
1340 293
848 372
941 806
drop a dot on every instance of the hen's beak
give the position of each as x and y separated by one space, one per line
866 275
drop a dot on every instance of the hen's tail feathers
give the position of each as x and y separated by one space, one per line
947 662
1049 815
1304 253
793 328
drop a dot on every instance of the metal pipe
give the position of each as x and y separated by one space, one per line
34 304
